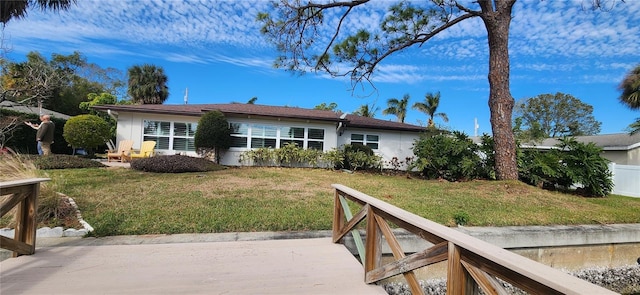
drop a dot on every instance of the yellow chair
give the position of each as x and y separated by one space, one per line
123 151
146 150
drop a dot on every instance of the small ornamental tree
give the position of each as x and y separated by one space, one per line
213 135
86 131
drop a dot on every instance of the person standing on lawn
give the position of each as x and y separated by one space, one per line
44 135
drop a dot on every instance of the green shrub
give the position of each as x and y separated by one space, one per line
311 157
541 169
357 157
259 157
452 157
213 134
487 167
585 166
572 163
289 155
334 158
64 162
87 131
174 164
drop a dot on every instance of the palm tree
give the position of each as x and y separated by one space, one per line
630 88
429 107
18 8
397 107
630 96
147 84
634 127
366 110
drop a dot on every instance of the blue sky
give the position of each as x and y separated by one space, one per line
214 49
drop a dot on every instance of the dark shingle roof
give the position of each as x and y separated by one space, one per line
16 107
264 111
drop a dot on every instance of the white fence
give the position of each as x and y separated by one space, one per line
626 180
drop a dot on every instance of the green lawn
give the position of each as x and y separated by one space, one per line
128 202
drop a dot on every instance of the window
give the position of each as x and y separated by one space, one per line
183 136
259 136
366 139
239 133
263 136
157 131
315 139
292 135
170 135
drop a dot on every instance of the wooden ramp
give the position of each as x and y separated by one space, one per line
301 266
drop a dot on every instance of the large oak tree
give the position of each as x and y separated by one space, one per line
557 115
295 25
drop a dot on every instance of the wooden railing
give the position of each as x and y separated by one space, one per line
472 264
22 194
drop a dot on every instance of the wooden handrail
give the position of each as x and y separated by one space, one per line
22 194
472 264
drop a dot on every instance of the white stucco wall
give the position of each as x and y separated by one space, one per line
391 143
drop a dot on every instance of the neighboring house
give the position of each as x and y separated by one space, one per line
619 148
16 107
254 126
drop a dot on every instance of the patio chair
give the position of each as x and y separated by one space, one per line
123 151
111 147
146 150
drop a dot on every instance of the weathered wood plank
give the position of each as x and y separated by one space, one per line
13 199
15 246
435 254
338 217
398 254
20 182
488 283
351 223
373 247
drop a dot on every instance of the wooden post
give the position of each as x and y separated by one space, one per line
456 278
26 216
22 195
373 248
338 217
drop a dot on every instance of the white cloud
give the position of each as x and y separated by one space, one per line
546 37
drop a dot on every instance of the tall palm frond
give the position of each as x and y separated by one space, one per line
366 110
430 106
397 107
630 88
147 84
634 127
10 9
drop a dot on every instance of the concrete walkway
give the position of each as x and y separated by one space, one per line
83 266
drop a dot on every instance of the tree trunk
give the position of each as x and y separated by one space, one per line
500 100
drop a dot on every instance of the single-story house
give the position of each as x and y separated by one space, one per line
254 126
619 148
